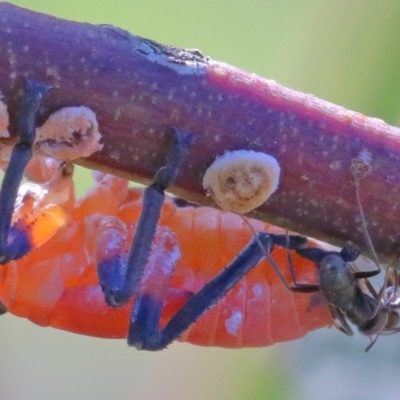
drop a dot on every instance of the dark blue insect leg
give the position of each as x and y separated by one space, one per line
15 245
121 287
144 331
3 308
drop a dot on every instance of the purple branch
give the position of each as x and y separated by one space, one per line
140 89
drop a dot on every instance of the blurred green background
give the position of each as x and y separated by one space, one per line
347 52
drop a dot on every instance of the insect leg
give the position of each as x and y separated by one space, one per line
292 243
339 320
3 308
32 95
118 291
144 332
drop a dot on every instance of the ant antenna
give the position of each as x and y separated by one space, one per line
361 167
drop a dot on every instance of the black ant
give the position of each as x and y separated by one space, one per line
349 294
342 289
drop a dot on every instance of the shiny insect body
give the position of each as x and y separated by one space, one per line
57 284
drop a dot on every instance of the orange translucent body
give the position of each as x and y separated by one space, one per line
56 284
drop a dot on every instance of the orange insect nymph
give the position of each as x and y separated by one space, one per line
57 285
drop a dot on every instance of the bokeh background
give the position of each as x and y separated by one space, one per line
347 52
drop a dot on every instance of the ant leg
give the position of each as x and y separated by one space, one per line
365 274
286 241
21 155
297 243
120 286
392 291
339 320
290 243
144 331
297 287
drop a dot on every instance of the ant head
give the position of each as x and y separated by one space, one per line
350 252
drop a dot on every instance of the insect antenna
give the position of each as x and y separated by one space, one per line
361 167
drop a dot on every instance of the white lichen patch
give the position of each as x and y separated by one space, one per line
69 133
242 180
4 119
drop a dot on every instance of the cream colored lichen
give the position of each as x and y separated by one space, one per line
242 180
69 133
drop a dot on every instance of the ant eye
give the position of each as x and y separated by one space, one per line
350 252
